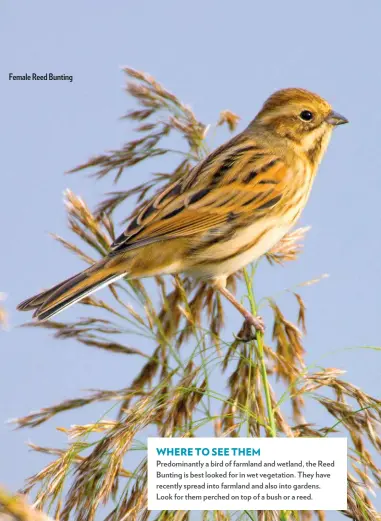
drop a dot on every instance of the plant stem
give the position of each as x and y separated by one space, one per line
265 382
249 515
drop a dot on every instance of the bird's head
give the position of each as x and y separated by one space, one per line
301 116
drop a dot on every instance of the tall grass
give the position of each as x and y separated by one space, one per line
178 391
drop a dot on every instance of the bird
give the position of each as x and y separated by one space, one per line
227 211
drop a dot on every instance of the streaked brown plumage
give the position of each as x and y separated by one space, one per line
229 210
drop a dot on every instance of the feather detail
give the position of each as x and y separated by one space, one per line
53 301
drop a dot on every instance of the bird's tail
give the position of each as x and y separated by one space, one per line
53 301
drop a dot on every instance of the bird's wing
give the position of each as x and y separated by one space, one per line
237 182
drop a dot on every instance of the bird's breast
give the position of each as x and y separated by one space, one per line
250 242
247 245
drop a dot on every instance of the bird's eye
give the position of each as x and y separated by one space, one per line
306 115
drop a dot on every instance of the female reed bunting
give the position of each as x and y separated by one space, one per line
227 211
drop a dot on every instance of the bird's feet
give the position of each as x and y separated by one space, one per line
257 322
249 329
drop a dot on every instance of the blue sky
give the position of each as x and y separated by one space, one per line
214 55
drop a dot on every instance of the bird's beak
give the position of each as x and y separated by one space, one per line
334 118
